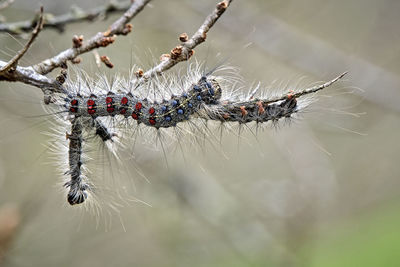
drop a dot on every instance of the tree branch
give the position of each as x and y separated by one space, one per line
34 75
59 22
101 39
29 76
184 51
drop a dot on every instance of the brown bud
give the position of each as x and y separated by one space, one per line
77 41
127 29
105 41
76 60
62 76
139 73
165 57
176 52
191 53
107 33
183 37
106 61
222 5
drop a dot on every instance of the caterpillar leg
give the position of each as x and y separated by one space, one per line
102 131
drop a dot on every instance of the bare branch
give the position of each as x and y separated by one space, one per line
14 61
184 51
59 22
101 39
29 76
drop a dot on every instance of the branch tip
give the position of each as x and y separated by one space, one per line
183 37
77 41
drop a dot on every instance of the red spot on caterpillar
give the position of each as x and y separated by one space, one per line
74 106
152 110
225 116
261 109
91 106
138 106
124 100
243 111
135 116
152 121
110 104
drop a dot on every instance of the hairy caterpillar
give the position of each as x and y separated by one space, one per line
202 95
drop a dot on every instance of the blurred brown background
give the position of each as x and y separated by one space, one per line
323 191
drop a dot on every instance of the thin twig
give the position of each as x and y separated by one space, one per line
101 39
184 51
10 71
14 61
59 22
298 94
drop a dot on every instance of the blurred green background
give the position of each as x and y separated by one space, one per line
322 191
